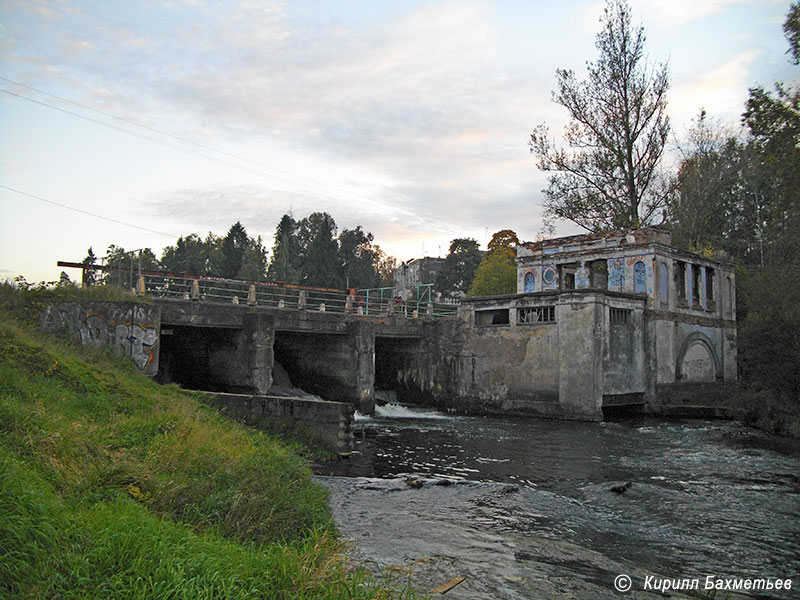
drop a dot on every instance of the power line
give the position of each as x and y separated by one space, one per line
297 181
86 212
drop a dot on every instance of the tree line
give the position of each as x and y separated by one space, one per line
310 251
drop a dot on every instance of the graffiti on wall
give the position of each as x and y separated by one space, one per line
639 277
582 277
529 282
127 330
549 277
616 274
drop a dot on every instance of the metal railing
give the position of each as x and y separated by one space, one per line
385 299
370 302
374 302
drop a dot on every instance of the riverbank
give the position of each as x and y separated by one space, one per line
114 486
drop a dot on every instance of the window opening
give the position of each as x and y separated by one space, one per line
536 314
491 317
663 283
680 274
620 316
709 284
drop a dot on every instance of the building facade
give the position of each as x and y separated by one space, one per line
412 274
602 321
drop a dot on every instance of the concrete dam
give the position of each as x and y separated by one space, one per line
600 323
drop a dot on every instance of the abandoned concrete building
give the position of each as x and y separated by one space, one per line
603 321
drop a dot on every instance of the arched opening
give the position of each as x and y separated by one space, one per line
697 360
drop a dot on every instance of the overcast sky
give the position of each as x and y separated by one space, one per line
133 123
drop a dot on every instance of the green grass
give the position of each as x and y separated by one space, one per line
112 486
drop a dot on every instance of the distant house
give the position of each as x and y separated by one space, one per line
414 273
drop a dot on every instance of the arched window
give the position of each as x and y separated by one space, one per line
639 278
529 282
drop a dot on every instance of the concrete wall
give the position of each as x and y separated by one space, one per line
330 422
131 329
552 354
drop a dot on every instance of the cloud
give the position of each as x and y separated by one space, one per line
680 12
722 90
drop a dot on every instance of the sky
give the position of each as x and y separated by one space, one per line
134 123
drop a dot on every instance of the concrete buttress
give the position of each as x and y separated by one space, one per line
260 335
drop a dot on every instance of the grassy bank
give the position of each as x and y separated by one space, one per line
114 487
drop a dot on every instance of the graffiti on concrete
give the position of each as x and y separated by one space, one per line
127 330
582 277
616 274
549 277
639 277
529 282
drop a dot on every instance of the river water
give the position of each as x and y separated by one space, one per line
525 508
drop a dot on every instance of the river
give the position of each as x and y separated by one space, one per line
525 508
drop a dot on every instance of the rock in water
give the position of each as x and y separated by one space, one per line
620 488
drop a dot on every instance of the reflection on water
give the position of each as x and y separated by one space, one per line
531 513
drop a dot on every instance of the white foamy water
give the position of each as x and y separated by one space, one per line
398 411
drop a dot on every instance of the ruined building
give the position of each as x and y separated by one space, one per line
599 322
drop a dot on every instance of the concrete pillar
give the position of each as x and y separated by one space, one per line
195 289
259 332
140 287
581 321
301 300
364 346
251 296
429 309
348 304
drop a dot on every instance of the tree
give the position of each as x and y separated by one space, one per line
497 272
190 254
384 267
285 264
357 255
254 261
617 131
319 251
233 248
458 269
89 276
791 29
704 210
774 123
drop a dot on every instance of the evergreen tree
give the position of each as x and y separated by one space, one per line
284 266
254 261
319 251
234 245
